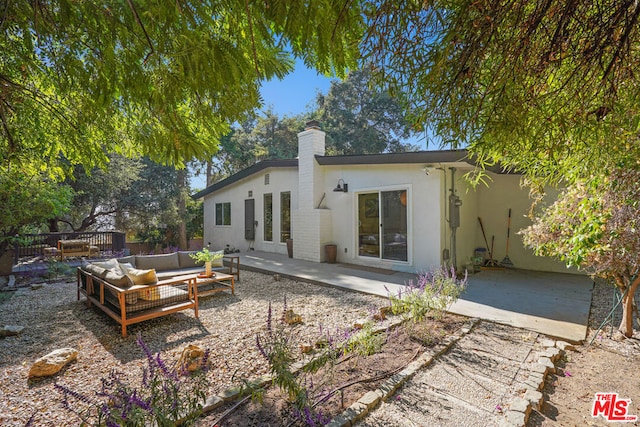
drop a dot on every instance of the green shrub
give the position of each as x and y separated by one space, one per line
431 294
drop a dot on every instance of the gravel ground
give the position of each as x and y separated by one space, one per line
227 326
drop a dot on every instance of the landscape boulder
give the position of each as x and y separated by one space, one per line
53 362
192 358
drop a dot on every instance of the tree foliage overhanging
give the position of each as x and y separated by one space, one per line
82 79
544 86
547 87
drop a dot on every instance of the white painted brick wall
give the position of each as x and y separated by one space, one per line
310 143
310 226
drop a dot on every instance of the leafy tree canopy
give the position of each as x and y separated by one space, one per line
28 198
79 79
102 195
357 118
361 119
547 87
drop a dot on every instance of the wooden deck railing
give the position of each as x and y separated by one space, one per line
34 244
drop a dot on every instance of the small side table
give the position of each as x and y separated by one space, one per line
234 265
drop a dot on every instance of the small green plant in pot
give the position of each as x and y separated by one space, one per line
208 258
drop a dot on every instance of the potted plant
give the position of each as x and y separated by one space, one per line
207 257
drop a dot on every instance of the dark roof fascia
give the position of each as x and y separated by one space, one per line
444 156
265 164
440 156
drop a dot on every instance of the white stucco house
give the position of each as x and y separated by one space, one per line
401 211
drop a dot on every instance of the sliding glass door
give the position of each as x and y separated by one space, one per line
383 224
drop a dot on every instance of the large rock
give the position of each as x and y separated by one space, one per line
192 358
292 318
53 362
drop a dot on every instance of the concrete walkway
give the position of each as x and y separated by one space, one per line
553 304
475 383
469 385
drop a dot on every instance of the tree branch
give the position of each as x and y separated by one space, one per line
623 39
4 14
40 99
253 40
144 30
340 15
5 126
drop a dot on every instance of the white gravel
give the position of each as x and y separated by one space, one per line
227 325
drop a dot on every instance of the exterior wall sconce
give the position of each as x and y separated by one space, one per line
342 186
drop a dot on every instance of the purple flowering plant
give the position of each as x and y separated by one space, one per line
166 396
277 345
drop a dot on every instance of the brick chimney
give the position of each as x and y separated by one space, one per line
310 143
311 226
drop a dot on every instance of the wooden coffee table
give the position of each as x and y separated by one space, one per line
217 283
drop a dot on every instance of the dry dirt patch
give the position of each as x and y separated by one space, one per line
352 375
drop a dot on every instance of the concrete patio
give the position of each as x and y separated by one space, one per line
553 304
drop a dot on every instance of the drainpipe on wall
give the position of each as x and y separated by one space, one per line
446 253
454 216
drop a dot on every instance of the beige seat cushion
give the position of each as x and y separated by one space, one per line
185 259
158 262
128 259
111 275
111 264
149 293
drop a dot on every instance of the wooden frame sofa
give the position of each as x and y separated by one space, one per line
125 304
171 287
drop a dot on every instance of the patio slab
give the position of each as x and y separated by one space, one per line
553 304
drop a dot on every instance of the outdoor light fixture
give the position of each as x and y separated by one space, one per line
341 188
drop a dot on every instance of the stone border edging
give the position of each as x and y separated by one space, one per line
520 408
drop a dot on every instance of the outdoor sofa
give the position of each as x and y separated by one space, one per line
142 287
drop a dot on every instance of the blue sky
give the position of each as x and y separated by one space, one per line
296 92
288 97
292 95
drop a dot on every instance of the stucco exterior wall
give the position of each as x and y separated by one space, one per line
280 180
320 216
424 211
466 233
494 201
